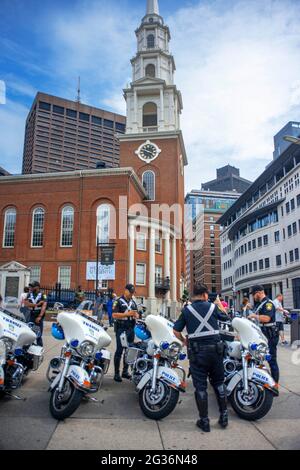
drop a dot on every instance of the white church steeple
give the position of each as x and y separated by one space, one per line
152 7
153 102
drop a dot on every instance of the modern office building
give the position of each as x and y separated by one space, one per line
261 238
292 128
64 135
228 179
203 258
3 172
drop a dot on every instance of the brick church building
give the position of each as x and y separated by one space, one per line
50 223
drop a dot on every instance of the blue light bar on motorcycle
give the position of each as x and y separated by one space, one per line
98 356
268 357
165 345
19 352
74 343
182 356
254 347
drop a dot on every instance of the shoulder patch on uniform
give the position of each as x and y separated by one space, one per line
269 306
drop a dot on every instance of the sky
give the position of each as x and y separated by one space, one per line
238 68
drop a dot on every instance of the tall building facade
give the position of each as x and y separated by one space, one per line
292 128
51 223
228 179
203 261
64 135
261 239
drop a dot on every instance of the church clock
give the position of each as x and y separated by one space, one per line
148 151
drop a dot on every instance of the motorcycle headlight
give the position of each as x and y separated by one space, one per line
9 344
87 349
174 350
2 352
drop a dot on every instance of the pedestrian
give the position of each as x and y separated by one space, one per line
98 306
79 296
109 308
125 314
265 314
205 350
23 309
280 317
36 302
246 307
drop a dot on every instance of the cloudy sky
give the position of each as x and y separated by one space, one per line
238 67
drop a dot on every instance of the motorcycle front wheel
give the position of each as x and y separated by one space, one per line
64 404
254 405
160 404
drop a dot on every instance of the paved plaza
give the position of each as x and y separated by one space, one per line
116 421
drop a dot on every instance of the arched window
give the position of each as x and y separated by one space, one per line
38 220
10 218
148 180
150 115
103 223
150 70
150 41
67 226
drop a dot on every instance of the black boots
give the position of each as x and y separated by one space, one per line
202 404
222 402
117 377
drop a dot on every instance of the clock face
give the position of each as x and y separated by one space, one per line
148 152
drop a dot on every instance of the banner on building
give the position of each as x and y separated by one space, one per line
105 273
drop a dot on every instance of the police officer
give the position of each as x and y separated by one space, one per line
265 314
206 351
36 302
125 313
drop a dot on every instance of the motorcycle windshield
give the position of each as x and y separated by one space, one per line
15 329
248 332
161 330
83 328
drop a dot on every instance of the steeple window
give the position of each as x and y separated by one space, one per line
150 70
150 115
150 41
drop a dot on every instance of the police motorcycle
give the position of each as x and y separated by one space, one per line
250 387
19 353
154 364
82 364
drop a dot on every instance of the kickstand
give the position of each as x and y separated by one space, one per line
16 397
92 399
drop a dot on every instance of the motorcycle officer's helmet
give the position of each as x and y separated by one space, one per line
142 333
57 332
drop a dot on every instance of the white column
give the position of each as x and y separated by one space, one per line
174 271
152 264
135 107
131 254
167 264
162 111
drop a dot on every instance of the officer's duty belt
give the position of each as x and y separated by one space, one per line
197 347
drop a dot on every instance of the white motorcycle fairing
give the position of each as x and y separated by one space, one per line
165 373
255 374
80 327
16 330
248 332
78 376
161 330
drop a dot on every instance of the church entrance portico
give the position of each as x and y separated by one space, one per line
14 277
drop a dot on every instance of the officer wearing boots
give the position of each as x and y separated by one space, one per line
265 314
124 313
205 350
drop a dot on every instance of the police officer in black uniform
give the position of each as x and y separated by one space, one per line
206 350
36 302
125 312
265 314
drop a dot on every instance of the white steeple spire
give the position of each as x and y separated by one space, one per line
152 7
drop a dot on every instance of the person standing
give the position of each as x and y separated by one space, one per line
265 314
280 317
79 296
205 350
125 314
246 307
109 308
98 306
23 309
36 302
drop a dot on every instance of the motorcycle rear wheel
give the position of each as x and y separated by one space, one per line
160 408
255 410
62 408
